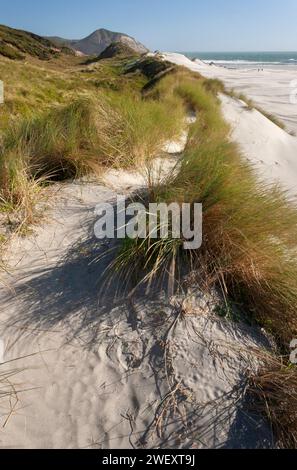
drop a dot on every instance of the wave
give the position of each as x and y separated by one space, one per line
238 62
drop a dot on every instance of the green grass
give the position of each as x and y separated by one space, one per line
59 143
16 44
71 140
149 66
11 53
36 86
249 228
64 119
63 124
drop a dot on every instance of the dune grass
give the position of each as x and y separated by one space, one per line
216 86
273 393
99 129
35 86
53 145
249 228
249 247
135 130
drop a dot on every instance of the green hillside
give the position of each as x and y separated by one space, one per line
16 45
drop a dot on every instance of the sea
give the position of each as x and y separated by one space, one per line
235 60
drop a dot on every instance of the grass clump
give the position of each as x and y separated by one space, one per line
135 130
92 132
109 124
251 106
23 42
58 143
249 229
273 392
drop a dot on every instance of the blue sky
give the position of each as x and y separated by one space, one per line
175 25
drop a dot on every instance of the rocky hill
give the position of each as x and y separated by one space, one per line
98 41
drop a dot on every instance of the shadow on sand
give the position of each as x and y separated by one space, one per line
76 294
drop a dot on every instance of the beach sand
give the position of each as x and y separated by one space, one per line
100 371
272 150
270 88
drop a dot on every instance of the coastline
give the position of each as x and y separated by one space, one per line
270 87
268 147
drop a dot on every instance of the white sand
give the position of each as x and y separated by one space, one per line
270 88
101 374
272 150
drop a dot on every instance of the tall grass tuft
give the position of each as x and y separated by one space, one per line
273 392
249 228
92 132
133 131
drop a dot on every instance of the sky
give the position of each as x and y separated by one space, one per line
167 25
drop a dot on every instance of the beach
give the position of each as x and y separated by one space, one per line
270 87
271 149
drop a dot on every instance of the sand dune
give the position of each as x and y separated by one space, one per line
270 88
272 150
96 372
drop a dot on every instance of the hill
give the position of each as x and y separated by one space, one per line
116 50
16 44
98 41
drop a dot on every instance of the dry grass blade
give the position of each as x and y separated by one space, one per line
274 394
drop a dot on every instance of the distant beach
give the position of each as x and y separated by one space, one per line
271 84
235 60
272 150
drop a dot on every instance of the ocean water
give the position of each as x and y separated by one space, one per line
246 59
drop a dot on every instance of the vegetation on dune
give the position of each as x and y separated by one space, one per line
67 119
273 392
78 132
249 245
32 87
248 227
72 140
53 143
15 44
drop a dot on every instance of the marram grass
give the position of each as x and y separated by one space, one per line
249 228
